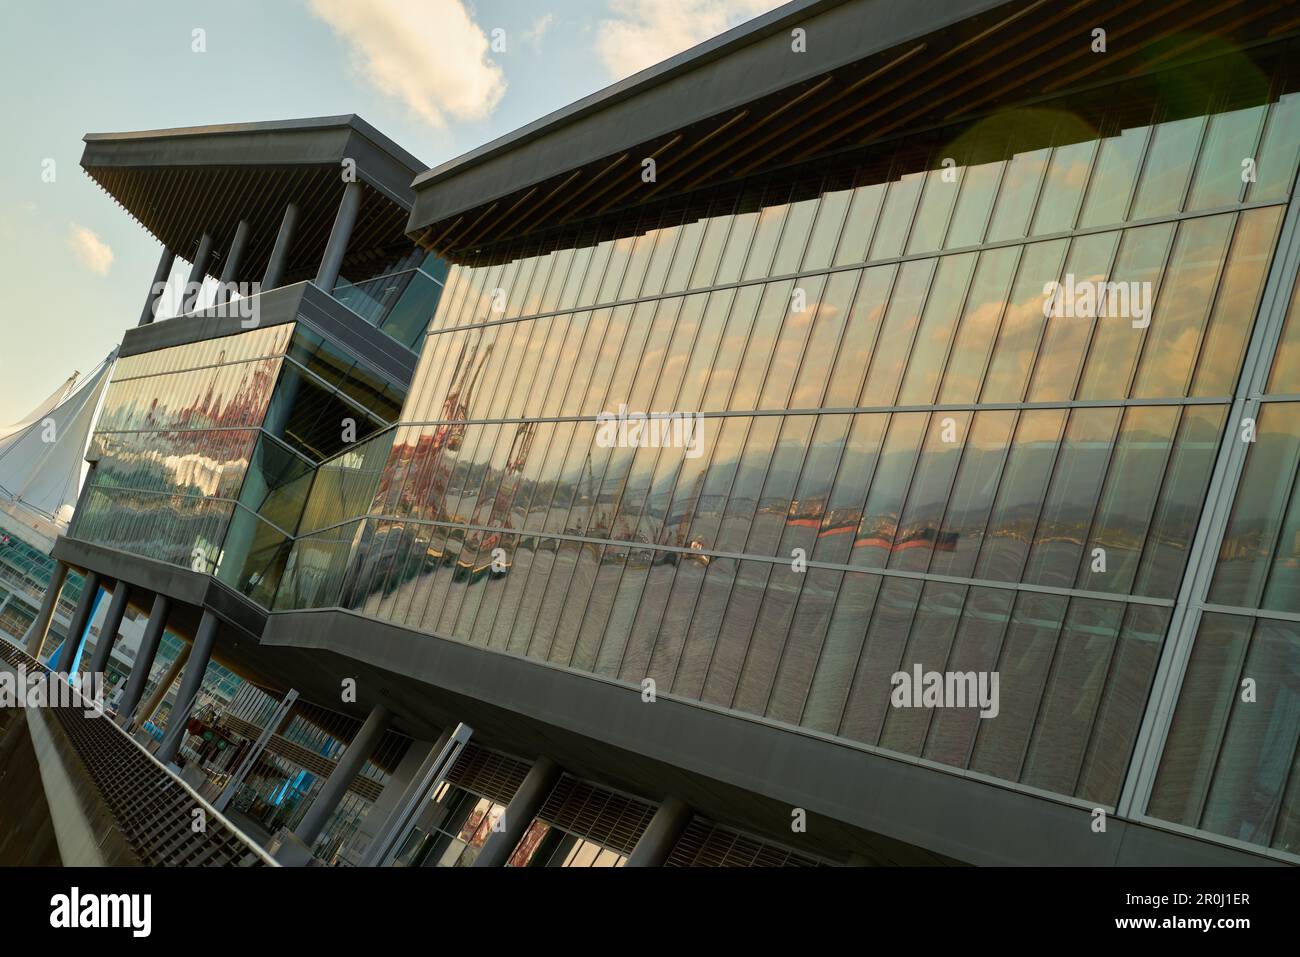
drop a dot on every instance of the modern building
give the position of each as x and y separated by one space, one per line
972 334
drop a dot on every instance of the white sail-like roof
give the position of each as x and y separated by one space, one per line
41 411
40 479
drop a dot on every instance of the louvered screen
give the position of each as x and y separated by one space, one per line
488 773
592 813
704 844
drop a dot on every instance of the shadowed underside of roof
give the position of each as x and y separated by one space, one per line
747 103
180 183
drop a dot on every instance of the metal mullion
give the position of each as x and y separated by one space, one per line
952 645
1222 733
1189 382
1170 456
1052 669
830 488
907 495
726 501
616 507
996 658
996 484
942 373
1291 785
1101 698
1287 503
704 477
672 495
1159 285
857 664
908 644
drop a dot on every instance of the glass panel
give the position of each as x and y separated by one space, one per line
1068 509
1232 137
1112 178
1067 176
1018 195
1168 167
1178 321
896 218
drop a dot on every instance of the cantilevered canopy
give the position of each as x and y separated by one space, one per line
761 97
180 183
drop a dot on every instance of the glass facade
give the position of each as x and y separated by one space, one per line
1230 764
885 390
956 403
206 451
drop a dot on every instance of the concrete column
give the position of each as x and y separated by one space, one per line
279 261
230 268
198 271
336 785
164 685
108 632
139 677
156 287
205 639
521 810
80 621
328 275
40 626
660 835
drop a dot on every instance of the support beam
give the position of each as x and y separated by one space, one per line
278 717
660 835
327 276
144 656
80 621
40 626
349 766
405 813
160 276
230 268
168 679
521 810
205 639
198 272
108 632
279 261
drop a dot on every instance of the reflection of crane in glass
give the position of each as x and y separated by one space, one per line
516 459
459 398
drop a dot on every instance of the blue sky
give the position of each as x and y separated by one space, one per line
75 268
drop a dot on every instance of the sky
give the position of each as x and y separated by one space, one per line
75 268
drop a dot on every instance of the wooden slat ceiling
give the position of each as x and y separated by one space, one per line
1019 52
176 204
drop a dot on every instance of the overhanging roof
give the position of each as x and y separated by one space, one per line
180 182
745 102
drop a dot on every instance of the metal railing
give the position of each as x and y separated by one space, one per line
153 809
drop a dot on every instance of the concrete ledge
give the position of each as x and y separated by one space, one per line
949 813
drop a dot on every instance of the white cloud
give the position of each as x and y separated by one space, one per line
534 34
95 254
428 53
643 33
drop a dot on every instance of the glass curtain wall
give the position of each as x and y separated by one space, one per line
174 439
905 436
